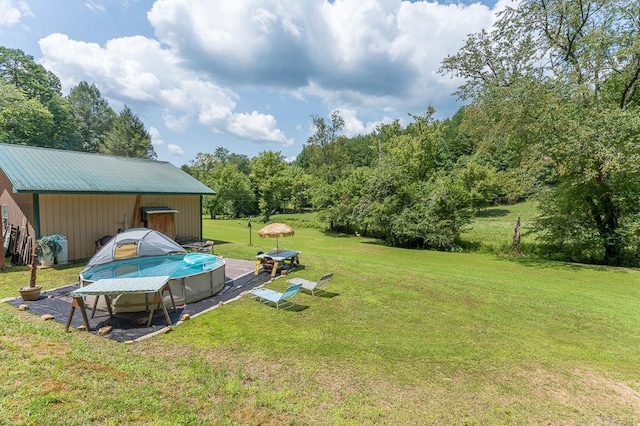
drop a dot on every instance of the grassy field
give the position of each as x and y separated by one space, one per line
407 337
492 230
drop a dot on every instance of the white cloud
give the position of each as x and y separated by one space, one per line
257 127
175 149
94 6
155 136
363 54
139 70
354 126
12 11
377 48
371 59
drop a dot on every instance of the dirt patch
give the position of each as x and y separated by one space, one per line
588 393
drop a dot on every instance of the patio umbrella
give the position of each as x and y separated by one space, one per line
275 230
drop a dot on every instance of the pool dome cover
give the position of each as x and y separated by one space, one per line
136 242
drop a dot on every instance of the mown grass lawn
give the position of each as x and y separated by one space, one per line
408 337
492 230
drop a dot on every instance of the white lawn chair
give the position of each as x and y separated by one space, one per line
313 286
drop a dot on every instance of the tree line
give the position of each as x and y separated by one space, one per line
551 114
34 112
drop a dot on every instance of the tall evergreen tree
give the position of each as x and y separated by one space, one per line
93 115
128 137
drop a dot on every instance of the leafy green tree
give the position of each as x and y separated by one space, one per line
270 181
326 156
234 196
93 115
128 137
32 79
65 133
436 205
406 199
435 213
360 150
222 172
224 157
556 81
419 149
345 204
482 183
23 121
201 166
588 216
41 88
297 192
326 134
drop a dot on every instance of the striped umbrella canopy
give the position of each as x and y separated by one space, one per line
275 230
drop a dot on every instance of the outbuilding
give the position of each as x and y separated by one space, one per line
85 196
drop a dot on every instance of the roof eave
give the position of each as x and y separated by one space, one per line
38 191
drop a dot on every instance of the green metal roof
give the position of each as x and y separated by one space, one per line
43 170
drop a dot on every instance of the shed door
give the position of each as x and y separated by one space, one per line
163 222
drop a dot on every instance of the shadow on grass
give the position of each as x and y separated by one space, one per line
540 263
469 246
364 239
492 213
294 308
75 264
334 234
297 308
325 294
9 268
376 242
219 242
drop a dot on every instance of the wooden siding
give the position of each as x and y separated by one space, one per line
84 218
20 206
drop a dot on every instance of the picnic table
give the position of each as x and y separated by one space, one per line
108 287
279 257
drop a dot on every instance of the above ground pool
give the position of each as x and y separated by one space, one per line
194 276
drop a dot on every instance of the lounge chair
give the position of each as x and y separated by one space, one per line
312 286
273 296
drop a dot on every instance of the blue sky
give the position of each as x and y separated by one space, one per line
248 74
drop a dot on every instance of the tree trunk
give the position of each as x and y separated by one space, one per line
34 264
516 237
